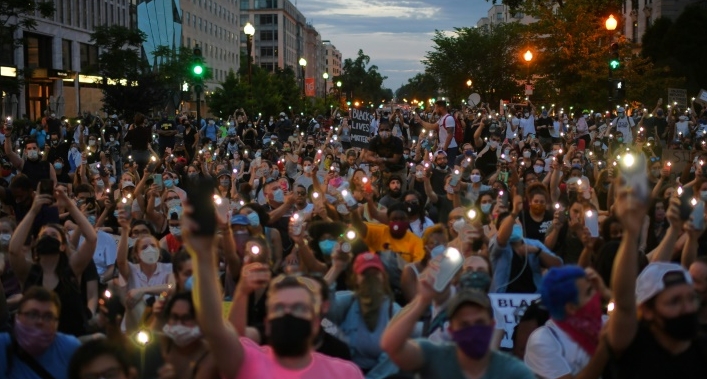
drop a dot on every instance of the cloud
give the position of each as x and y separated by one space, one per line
395 34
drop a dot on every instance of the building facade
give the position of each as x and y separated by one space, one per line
59 60
332 61
499 14
639 15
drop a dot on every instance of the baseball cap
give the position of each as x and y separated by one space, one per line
223 173
128 184
651 138
367 260
282 114
440 152
469 296
658 276
239 220
621 109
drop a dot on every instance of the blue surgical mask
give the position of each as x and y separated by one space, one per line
169 183
278 195
91 219
486 208
253 219
58 166
189 283
517 234
439 249
326 246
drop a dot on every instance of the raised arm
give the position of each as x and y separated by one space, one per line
664 251
18 262
15 159
122 256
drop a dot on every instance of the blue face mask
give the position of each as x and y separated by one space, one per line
278 196
169 183
189 283
439 249
253 219
326 246
517 234
486 208
91 219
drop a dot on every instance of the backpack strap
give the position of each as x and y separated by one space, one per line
28 360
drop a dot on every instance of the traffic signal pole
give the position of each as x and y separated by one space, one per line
198 76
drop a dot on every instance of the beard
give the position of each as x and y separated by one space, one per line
370 297
395 193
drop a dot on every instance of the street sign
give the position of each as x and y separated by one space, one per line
528 89
677 95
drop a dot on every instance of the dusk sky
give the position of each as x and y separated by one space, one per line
395 34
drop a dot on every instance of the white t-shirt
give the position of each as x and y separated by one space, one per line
444 122
555 130
682 127
624 125
512 128
106 251
528 125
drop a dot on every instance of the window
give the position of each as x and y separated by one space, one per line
66 55
89 57
38 51
268 35
499 16
245 4
267 52
7 56
266 4
268 19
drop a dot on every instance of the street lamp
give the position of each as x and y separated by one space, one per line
326 77
338 88
611 23
468 83
249 31
528 56
303 64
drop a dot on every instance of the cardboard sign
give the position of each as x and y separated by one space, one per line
360 127
678 159
702 97
505 306
677 95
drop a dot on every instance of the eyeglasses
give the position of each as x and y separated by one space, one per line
34 316
187 318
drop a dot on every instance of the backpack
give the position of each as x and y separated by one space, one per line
458 131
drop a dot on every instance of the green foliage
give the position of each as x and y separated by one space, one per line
362 82
421 86
489 57
679 46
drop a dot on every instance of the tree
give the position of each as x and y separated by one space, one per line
128 86
489 57
361 82
18 15
421 86
174 69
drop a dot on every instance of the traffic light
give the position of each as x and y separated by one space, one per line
614 62
619 89
197 68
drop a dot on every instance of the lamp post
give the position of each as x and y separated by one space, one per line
326 77
338 88
528 56
611 25
468 83
303 65
249 31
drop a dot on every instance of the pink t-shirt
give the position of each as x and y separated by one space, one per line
260 362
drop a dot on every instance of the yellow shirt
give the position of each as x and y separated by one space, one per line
409 247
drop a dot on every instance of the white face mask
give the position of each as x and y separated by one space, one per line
526 154
5 239
493 144
475 178
307 169
92 142
149 255
458 225
175 230
182 335
32 154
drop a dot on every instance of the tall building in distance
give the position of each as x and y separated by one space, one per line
314 54
61 59
333 62
500 13
638 16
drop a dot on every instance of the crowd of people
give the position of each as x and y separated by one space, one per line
280 247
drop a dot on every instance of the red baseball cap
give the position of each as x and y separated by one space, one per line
367 260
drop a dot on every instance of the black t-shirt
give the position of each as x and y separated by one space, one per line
521 276
53 126
139 137
387 150
487 162
166 141
646 358
543 121
533 229
659 123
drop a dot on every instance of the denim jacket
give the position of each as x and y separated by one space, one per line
501 258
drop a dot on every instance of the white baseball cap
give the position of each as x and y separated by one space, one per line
658 276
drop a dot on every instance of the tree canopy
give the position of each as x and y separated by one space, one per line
361 82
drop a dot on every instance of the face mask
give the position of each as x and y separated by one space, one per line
173 203
439 249
189 283
384 135
493 144
412 208
34 341
621 114
620 140
58 166
112 139
74 150
100 183
458 225
477 280
307 169
32 154
289 335
5 239
47 245
517 234
406 156
526 154
149 255
91 219
398 229
326 246
193 175
584 326
253 219
182 335
169 183
577 165
473 340
175 230
538 169
486 208
475 178
278 196
224 182
526 115
507 151
92 142
655 173
683 327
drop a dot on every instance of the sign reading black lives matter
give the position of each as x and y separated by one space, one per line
361 128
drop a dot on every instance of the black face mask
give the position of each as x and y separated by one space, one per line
683 327
412 208
48 245
289 335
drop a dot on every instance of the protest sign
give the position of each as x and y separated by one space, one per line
702 97
360 128
678 160
505 306
679 96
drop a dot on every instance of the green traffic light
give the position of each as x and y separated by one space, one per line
614 64
198 70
